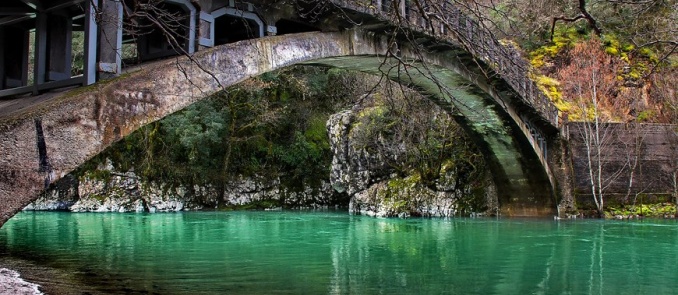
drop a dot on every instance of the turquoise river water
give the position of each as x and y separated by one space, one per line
287 252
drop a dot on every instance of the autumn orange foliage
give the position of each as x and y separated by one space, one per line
664 94
587 72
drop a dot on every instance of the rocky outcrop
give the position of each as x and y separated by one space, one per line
375 189
62 195
118 192
106 190
354 168
383 199
244 191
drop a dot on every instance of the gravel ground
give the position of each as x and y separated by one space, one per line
11 283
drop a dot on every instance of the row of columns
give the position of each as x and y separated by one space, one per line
537 138
53 28
102 23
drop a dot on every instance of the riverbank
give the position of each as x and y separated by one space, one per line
23 275
12 283
639 211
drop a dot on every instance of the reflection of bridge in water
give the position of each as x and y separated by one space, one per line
455 62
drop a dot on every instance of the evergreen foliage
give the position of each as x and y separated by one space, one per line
270 126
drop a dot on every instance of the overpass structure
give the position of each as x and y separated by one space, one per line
217 43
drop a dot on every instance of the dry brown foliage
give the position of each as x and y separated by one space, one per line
663 89
588 72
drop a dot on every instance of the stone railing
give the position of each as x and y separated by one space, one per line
443 19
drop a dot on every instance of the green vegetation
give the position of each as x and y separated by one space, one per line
626 49
272 126
660 210
562 40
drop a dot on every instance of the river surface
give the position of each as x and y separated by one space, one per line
335 253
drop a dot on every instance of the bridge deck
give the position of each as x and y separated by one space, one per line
17 106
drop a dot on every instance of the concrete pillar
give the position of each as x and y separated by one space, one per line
192 28
271 30
110 39
59 47
13 57
2 58
40 50
206 30
403 9
207 5
91 33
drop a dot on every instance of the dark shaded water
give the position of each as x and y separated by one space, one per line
332 252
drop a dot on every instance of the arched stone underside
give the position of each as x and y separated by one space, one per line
522 183
49 140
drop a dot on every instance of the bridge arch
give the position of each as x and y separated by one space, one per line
50 140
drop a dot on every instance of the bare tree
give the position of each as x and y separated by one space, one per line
673 142
597 138
583 14
633 155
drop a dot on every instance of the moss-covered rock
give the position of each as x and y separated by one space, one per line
394 160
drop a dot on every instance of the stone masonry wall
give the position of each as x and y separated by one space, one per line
639 161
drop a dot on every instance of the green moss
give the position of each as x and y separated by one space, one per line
645 210
317 133
550 87
96 174
373 112
628 47
611 50
447 165
611 44
563 38
649 54
645 116
399 193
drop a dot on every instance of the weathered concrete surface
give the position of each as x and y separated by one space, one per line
640 162
46 141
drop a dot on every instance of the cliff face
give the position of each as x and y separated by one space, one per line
125 192
371 177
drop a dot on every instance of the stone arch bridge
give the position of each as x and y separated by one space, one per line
454 62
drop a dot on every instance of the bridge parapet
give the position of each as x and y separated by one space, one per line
443 20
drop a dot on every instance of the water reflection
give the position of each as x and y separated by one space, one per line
315 253
505 257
